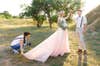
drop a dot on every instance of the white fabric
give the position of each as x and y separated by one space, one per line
78 21
79 30
17 40
56 44
82 44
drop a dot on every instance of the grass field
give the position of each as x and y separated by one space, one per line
9 29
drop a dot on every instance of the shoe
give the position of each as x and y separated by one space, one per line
15 52
79 51
85 52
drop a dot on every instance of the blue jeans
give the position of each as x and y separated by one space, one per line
16 47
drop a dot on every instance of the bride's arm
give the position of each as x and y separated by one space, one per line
58 20
67 16
70 14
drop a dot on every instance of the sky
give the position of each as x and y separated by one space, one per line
90 5
14 6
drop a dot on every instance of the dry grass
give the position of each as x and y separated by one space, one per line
8 32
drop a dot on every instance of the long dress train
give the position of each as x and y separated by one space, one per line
56 44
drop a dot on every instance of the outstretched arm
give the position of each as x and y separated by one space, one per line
69 14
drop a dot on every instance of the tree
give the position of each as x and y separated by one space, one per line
48 6
34 11
6 14
54 18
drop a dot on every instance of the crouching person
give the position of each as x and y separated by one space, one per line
20 42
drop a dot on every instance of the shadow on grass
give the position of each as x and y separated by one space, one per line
19 60
93 44
82 62
57 61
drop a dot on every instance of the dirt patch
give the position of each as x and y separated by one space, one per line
4 60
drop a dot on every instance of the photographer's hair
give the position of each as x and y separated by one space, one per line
26 34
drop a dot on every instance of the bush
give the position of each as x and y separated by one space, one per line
54 18
41 18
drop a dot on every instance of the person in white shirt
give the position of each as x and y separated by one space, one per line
81 24
19 42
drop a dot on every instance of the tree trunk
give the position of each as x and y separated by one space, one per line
38 25
50 22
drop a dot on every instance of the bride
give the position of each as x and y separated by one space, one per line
56 44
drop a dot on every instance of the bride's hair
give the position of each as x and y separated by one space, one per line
61 12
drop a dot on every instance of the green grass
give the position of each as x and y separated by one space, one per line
8 33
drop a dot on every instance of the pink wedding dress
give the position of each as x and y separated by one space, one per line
56 44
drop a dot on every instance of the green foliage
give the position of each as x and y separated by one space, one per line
54 18
48 6
97 26
6 15
2 16
21 15
41 18
15 16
